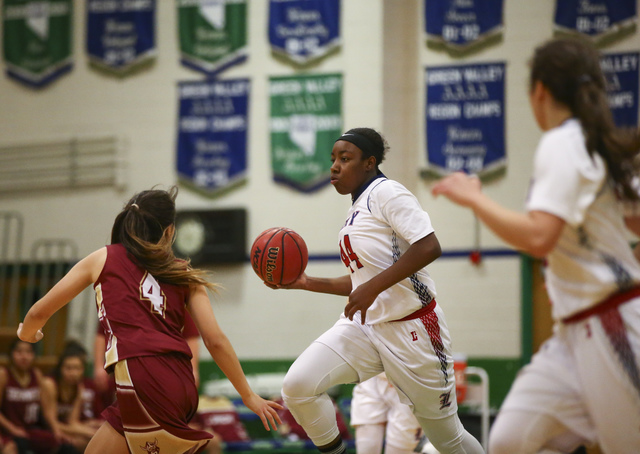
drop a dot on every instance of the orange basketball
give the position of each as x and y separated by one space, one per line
279 256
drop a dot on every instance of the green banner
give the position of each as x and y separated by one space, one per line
306 119
37 39
213 33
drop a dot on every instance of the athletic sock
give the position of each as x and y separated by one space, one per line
337 448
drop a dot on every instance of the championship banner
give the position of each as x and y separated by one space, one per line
459 24
304 30
213 34
212 134
37 39
120 33
465 119
621 72
595 18
306 119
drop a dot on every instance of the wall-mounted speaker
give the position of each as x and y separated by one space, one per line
212 236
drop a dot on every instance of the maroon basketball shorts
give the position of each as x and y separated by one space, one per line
156 399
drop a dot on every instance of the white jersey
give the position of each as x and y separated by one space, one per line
592 258
384 220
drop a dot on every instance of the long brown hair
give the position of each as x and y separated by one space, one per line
570 69
140 227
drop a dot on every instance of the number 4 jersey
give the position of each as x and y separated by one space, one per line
384 220
139 315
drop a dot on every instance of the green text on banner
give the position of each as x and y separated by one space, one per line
306 119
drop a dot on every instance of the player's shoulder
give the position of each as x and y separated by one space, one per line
386 189
568 136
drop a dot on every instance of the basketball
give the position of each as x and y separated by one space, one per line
279 256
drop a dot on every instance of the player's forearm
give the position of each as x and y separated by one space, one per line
225 357
334 286
417 256
517 229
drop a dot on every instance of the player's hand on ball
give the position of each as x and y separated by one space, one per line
32 339
265 409
459 187
300 284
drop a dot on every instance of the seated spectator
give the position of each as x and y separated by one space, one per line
27 423
65 392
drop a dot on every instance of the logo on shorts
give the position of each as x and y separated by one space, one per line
445 400
151 448
414 336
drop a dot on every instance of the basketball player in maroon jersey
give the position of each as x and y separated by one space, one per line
142 293
21 400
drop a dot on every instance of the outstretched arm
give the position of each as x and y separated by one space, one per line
83 274
333 285
225 357
535 232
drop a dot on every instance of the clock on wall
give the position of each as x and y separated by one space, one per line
211 236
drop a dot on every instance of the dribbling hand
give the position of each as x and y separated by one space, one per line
38 335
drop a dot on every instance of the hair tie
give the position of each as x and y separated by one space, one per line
135 205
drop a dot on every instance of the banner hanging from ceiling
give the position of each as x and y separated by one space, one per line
465 118
212 134
120 34
37 40
306 119
461 24
304 30
212 34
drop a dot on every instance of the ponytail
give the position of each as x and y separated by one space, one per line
570 69
141 227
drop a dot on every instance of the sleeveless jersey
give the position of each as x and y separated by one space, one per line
139 315
593 258
21 404
384 220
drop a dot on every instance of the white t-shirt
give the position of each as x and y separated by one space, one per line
381 225
592 258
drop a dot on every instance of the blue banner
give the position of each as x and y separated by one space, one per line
212 134
304 30
460 23
595 18
465 118
120 33
621 72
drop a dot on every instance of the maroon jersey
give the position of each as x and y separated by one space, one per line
21 404
139 315
190 329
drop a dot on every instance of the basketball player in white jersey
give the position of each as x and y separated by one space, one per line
381 420
391 322
583 386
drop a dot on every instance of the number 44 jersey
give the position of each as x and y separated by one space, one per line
384 220
139 315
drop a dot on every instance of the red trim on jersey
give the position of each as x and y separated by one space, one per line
419 313
611 302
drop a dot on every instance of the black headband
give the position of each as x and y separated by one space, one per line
360 141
